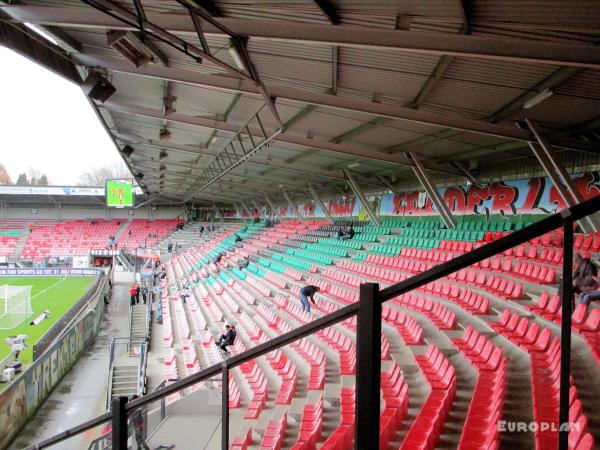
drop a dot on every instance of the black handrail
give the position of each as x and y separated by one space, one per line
366 432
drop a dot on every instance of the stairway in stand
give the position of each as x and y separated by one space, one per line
138 326
124 380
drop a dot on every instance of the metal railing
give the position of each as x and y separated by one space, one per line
129 344
368 312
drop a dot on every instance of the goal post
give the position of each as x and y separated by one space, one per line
15 305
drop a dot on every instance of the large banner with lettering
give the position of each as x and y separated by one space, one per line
48 272
528 196
525 196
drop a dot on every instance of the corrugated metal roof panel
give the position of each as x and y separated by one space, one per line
563 111
585 84
498 73
137 91
580 14
288 49
194 100
293 10
384 136
390 60
293 68
476 99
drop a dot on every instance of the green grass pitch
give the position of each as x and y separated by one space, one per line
56 294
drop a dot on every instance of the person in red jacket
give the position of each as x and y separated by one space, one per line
132 293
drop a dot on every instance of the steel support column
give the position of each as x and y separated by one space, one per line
431 190
119 424
363 200
570 193
368 367
217 211
224 406
565 333
319 202
271 205
291 203
260 212
246 209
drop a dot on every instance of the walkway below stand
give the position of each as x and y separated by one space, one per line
81 395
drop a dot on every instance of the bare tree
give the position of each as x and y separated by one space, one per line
4 176
33 177
97 176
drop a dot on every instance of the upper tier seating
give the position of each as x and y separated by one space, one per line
145 233
69 238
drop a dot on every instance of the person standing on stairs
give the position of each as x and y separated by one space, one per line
306 293
132 290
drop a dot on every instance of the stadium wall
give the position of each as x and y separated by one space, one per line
29 391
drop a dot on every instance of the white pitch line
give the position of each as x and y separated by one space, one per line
49 287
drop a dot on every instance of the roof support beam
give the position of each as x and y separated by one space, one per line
437 74
145 26
363 200
288 199
466 171
218 214
519 50
431 190
387 184
334 101
233 155
286 138
558 174
139 141
260 211
319 202
271 205
209 6
26 43
554 80
328 10
246 208
334 68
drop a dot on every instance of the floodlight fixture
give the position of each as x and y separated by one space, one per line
130 47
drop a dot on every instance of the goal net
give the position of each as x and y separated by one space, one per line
15 305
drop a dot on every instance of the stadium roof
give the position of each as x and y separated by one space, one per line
313 88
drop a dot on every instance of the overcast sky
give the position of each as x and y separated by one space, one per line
48 124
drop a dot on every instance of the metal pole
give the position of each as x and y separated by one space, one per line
432 191
565 333
119 424
320 202
224 406
368 368
363 200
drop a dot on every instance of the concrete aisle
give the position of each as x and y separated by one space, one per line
81 395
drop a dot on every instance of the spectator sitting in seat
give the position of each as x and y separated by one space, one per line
185 294
238 238
243 262
306 293
227 339
584 280
347 235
